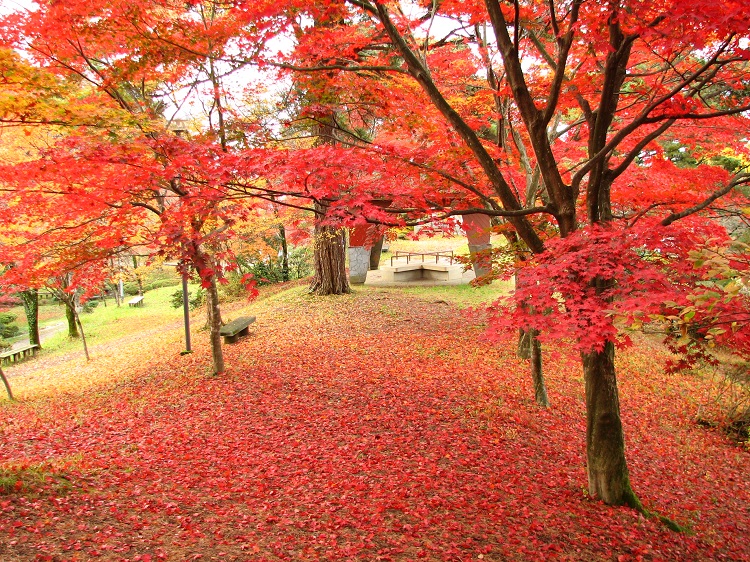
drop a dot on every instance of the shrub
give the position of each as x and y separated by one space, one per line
234 288
194 301
7 328
131 287
89 306
300 262
270 271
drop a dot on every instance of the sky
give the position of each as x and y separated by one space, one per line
9 6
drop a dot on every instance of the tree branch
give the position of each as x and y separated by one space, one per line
737 181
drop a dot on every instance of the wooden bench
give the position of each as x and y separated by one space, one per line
136 301
236 329
17 354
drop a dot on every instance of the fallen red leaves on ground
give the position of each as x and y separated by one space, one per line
374 426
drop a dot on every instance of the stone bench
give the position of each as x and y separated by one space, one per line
235 329
136 301
421 271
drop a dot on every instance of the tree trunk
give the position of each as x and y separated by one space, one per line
31 308
530 348
137 275
330 261
284 254
329 249
214 325
80 328
70 315
375 253
605 443
7 385
524 344
537 375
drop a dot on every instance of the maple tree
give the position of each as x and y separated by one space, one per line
125 115
611 82
593 95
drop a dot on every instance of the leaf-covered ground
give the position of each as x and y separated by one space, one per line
375 426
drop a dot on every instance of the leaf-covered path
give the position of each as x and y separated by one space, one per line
374 426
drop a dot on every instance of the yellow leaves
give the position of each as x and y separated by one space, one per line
732 288
36 102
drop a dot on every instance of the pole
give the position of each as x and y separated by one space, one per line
186 311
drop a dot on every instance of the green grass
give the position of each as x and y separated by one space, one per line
15 479
20 479
111 322
104 323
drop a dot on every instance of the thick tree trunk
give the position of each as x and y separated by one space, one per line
70 315
524 344
375 253
330 262
31 308
214 325
605 443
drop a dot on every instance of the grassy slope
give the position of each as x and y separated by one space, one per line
119 339
371 426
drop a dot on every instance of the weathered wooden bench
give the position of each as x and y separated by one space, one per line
236 329
17 354
136 301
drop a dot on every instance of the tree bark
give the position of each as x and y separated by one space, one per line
80 328
137 275
116 290
70 315
214 325
605 444
375 253
537 375
31 308
530 348
284 254
329 261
